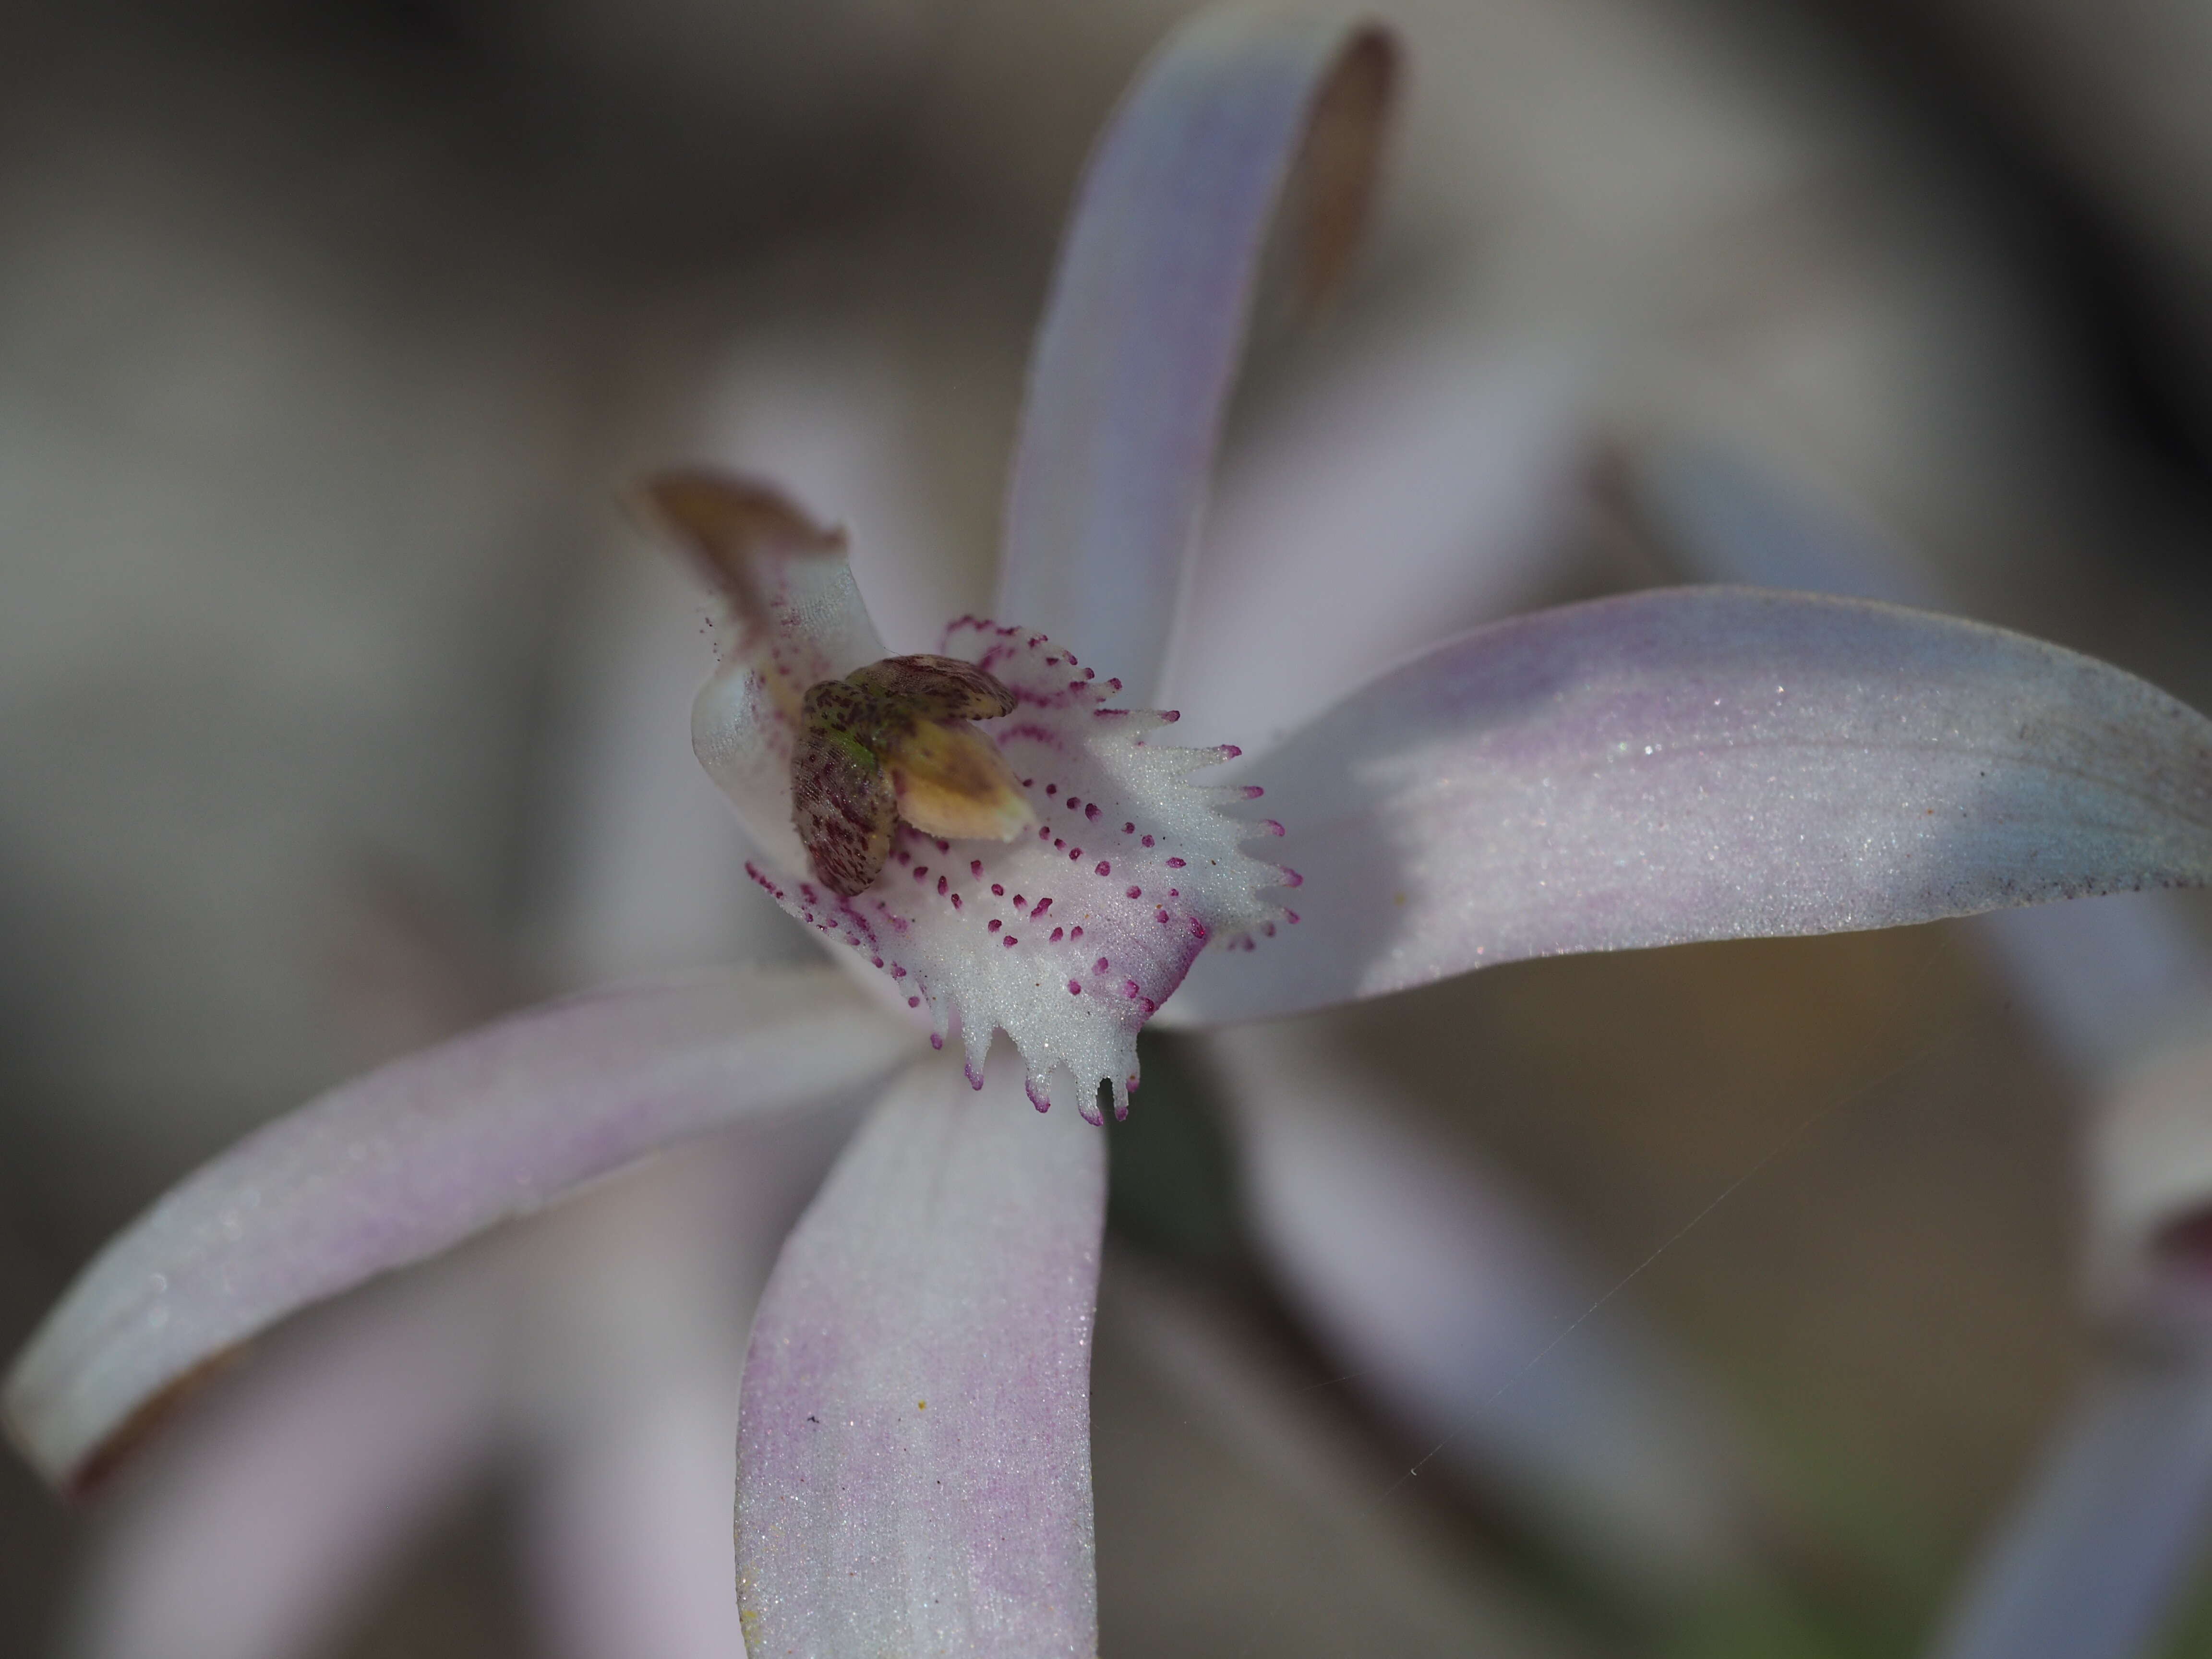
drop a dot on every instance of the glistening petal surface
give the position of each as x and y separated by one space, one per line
1708 764
398 1165
2102 979
914 1454
1135 358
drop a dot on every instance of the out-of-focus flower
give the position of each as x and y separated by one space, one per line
913 1467
1456 1310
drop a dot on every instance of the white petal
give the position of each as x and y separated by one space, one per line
630 1530
1709 763
794 618
2094 1560
2101 978
1724 517
645 1288
410 1160
913 1455
1418 494
1446 1300
257 1531
1134 364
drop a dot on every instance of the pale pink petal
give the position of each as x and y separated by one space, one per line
1418 494
645 1288
2100 1547
410 1160
914 1457
630 1533
1444 1298
1725 516
2149 1245
1070 936
255 1533
1134 361
2101 978
1708 764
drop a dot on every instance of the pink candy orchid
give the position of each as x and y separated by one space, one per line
914 1463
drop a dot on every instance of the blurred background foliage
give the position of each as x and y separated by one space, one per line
331 329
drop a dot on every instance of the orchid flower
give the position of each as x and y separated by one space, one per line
1000 838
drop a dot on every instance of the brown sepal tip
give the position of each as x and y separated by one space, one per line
99 1466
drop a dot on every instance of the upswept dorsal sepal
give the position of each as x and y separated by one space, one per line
795 613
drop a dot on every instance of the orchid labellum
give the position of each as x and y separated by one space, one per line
1002 836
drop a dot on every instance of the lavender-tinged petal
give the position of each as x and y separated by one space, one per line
2147 1255
407 1160
914 1466
1449 1303
1725 518
2101 978
645 1289
2102 981
1133 366
1708 764
2102 1544
630 1530
1412 498
259 1529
